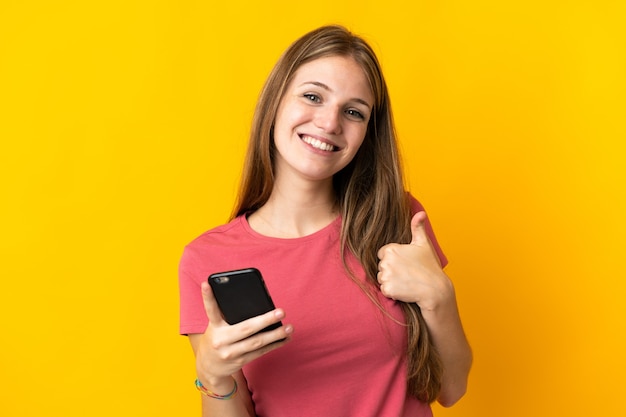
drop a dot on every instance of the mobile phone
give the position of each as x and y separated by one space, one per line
242 294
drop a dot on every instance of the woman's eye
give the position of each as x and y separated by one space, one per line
355 114
312 97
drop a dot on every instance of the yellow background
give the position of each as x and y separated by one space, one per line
123 125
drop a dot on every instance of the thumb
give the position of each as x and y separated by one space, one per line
210 305
418 229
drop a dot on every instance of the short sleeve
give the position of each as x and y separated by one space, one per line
193 317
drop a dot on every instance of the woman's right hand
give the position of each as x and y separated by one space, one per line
223 349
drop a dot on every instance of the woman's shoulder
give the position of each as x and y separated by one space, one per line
414 203
229 230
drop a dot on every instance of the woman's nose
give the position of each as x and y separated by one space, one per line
328 119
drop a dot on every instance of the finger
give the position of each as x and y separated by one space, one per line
380 252
277 336
385 290
420 236
246 337
254 325
210 305
266 344
383 250
380 277
242 351
418 229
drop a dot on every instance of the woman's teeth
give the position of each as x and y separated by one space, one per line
318 144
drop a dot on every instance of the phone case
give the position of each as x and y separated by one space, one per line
242 294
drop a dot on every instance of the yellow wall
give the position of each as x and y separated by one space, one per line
123 124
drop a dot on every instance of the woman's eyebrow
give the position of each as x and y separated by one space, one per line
327 88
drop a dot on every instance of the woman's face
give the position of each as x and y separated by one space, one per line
322 118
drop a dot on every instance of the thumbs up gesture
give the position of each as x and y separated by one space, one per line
412 272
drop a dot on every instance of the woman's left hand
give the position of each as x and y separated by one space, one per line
412 272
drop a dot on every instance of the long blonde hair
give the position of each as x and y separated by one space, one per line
370 190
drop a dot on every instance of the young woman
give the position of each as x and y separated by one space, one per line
371 326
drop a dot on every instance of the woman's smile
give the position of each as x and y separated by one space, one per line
319 144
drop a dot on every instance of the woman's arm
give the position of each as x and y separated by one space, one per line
412 273
446 330
223 349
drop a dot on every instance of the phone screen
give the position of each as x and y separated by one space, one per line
241 294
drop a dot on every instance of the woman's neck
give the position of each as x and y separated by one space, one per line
293 212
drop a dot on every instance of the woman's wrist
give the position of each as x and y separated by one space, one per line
217 384
444 309
218 395
440 295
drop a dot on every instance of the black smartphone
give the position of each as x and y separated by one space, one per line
242 294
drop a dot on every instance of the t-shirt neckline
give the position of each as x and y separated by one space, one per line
328 229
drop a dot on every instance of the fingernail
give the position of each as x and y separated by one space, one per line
288 329
279 313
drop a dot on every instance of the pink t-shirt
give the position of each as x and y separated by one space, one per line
346 358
